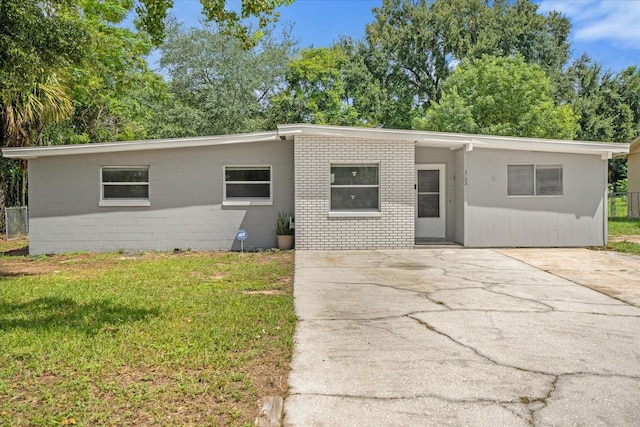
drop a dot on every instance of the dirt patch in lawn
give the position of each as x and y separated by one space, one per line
625 238
23 266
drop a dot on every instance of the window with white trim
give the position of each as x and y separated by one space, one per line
124 185
355 188
247 184
534 180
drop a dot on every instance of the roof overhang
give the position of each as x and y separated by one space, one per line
152 144
452 141
455 141
635 146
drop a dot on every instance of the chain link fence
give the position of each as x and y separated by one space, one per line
624 205
16 222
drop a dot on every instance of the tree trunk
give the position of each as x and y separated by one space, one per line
23 190
2 193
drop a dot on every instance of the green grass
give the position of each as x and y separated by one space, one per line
624 226
618 208
624 247
112 339
9 247
624 229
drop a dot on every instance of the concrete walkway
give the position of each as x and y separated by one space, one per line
457 337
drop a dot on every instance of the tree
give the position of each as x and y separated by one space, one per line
101 66
24 116
100 70
315 91
36 47
152 14
608 104
413 45
500 96
112 85
217 86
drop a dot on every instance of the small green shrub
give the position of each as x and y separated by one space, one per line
283 224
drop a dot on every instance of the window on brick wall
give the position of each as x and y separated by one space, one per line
355 188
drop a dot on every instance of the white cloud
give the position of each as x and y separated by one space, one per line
596 20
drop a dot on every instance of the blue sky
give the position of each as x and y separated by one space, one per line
607 30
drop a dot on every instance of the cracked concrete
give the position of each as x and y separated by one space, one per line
458 337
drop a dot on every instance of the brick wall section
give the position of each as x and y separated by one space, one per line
316 231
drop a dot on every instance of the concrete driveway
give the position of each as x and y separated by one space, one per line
457 337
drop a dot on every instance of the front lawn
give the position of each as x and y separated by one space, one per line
624 247
624 235
624 226
145 339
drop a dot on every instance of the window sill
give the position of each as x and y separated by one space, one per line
355 214
534 196
124 203
247 203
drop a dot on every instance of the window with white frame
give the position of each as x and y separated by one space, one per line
355 188
247 183
124 185
534 180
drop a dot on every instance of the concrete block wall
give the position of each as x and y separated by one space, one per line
186 207
392 229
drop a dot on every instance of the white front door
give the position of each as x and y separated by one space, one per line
430 201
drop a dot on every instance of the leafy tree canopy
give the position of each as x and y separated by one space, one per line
607 103
500 96
35 40
315 91
38 42
413 45
152 13
67 61
218 86
112 86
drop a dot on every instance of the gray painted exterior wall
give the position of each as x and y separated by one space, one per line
460 196
577 218
633 168
186 192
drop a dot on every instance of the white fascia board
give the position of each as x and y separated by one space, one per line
634 148
635 145
117 147
455 141
552 146
420 138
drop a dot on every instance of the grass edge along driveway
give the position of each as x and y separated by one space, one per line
624 235
148 339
